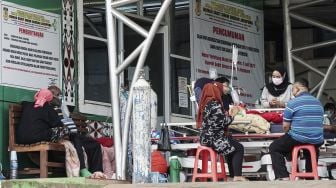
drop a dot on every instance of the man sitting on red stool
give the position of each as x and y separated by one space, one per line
303 124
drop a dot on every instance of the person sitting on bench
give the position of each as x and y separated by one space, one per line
40 122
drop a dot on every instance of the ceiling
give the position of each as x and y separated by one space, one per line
324 11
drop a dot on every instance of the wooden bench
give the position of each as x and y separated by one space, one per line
15 112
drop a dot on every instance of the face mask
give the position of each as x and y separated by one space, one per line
56 102
277 81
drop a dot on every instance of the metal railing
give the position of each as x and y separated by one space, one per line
112 14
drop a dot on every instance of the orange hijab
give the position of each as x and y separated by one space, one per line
211 91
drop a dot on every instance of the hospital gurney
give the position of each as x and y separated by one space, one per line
254 144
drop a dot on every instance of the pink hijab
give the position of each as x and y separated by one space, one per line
41 97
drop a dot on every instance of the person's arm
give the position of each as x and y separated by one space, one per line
330 128
219 117
263 99
277 103
53 118
227 120
287 117
282 104
288 95
333 128
286 126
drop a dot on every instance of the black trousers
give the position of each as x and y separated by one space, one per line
92 150
281 148
235 159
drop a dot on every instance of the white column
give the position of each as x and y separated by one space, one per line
141 131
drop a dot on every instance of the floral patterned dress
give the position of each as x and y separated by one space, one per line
214 123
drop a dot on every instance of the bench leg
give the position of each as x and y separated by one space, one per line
43 164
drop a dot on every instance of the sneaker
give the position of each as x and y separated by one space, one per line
239 178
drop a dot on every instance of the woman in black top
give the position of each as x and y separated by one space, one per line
214 121
41 122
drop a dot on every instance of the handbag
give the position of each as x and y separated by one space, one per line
164 142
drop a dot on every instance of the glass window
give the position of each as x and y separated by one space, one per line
180 67
96 77
94 96
180 103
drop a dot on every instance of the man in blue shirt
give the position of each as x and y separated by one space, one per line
303 124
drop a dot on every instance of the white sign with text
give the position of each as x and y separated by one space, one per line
217 25
30 47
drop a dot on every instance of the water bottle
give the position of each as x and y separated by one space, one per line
174 169
2 177
13 165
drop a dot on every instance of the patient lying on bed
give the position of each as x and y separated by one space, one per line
257 123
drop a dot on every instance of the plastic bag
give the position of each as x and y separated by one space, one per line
235 96
164 142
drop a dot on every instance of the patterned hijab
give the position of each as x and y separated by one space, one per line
211 91
41 97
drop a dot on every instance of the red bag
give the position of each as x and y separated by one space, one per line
159 163
105 141
274 117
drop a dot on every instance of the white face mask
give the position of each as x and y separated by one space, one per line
277 81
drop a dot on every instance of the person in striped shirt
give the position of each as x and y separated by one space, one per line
82 143
303 124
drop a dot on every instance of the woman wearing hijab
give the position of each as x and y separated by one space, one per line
277 93
214 120
43 123
39 120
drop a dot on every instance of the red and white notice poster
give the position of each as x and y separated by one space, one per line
217 25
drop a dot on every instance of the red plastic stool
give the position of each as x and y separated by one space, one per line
214 174
295 152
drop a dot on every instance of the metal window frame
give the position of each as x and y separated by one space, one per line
288 13
117 64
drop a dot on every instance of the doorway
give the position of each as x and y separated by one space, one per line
94 90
